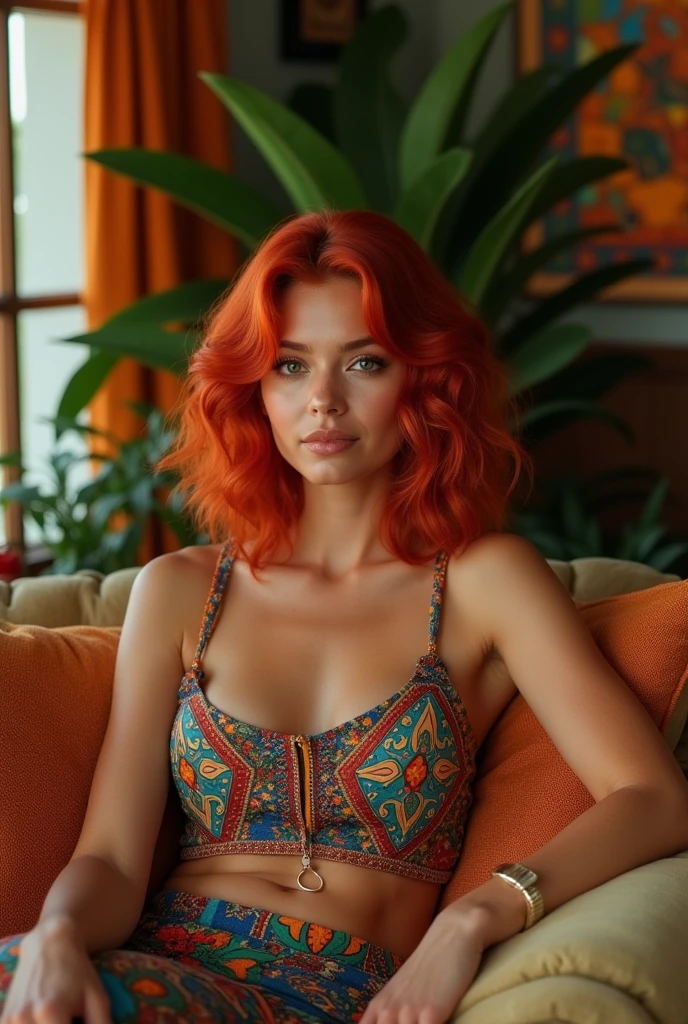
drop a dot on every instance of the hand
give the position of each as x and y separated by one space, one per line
431 983
55 980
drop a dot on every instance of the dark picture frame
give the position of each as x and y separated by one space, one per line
338 22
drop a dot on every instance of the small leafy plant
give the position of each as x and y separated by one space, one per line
567 524
77 524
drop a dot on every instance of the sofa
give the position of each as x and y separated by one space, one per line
617 954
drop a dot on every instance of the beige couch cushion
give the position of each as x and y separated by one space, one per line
613 955
86 598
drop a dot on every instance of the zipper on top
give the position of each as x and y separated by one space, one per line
304 763
305 779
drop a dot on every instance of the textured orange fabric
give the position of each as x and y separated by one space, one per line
54 706
525 792
142 90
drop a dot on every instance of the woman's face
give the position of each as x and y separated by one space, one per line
317 386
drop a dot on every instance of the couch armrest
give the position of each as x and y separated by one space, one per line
615 954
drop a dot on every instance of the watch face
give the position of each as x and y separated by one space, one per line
529 877
519 871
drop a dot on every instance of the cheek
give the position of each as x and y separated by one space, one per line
383 406
278 405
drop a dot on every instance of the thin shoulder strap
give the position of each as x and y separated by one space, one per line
436 599
213 602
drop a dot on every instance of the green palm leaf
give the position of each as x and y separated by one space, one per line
520 147
186 303
509 284
150 345
219 197
446 91
654 503
368 111
451 246
554 306
664 557
596 375
498 236
547 352
312 171
84 384
419 210
581 406
572 176
314 102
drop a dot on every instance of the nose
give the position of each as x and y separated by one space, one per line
324 399
324 406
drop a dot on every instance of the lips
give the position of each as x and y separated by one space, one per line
328 436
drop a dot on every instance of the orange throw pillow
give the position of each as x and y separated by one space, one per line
54 707
524 791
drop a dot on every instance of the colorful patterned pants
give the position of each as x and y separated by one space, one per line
204 961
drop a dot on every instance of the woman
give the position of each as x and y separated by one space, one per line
322 814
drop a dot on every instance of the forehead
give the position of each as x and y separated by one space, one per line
323 305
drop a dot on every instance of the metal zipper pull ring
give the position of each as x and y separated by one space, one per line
306 861
305 806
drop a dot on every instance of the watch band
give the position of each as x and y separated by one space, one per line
523 878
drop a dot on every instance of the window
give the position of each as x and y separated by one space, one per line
41 231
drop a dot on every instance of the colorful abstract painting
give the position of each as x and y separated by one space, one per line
638 113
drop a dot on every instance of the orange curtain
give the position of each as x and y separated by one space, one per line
142 89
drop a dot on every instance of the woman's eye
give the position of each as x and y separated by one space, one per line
378 364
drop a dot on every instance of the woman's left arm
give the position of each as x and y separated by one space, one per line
601 730
597 724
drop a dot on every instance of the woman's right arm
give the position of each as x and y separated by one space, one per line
99 894
95 902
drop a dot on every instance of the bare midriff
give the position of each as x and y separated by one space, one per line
391 910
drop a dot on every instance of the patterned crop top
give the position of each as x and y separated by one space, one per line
389 789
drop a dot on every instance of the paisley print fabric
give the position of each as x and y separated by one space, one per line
209 961
389 789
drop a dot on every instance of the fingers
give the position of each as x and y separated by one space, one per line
404 1014
43 1011
54 1011
97 1005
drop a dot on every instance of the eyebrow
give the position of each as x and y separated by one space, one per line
348 346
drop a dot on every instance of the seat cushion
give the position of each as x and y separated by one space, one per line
86 598
524 791
613 955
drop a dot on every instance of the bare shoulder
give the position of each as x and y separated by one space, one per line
493 552
174 571
494 573
167 588
185 561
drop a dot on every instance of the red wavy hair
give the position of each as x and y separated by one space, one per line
458 461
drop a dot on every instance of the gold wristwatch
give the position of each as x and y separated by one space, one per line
524 879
